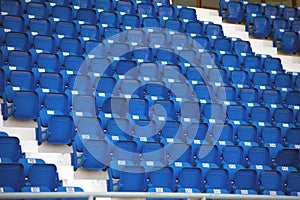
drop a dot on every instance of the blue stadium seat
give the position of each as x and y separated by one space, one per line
208 157
45 44
10 149
113 107
289 42
162 180
71 46
57 2
119 51
108 19
223 44
155 90
11 7
278 27
271 99
194 28
180 42
195 76
145 131
37 10
236 115
171 132
66 29
239 79
54 104
247 136
171 73
161 2
246 181
95 49
233 159
292 138
271 11
73 65
152 155
190 180
261 81
259 159
125 69
132 179
18 60
286 161
125 153
138 109
151 23
87 128
47 63
201 43
173 25
179 155
213 113
283 117
289 13
61 130
12 176
187 58
17 41
40 26
295 26
226 95
234 12
252 64
222 135
271 183
129 88
273 64
28 163
271 138
149 71
125 7
261 27
86 16
242 47
104 5
216 76
142 54
214 30
260 116
165 12
77 4
196 134
163 110
157 40
83 105
249 98
293 183
146 10
19 81
50 82
165 56
129 21
118 129
95 155
43 175
136 37
25 106
187 14
180 92
62 13
100 68
11 23
217 181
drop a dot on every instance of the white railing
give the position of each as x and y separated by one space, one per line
92 195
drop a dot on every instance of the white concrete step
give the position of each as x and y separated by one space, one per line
208 15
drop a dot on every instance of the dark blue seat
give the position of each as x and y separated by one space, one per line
104 5
43 175
217 181
25 106
61 130
246 181
62 13
271 183
11 176
10 148
234 12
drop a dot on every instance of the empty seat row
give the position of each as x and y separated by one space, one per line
190 180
